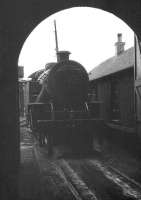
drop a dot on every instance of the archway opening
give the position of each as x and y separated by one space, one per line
94 37
89 34
80 29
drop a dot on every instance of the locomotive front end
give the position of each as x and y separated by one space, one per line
61 114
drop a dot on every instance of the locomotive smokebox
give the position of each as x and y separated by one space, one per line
64 82
67 82
63 56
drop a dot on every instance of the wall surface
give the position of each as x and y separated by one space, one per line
17 19
104 95
126 86
125 89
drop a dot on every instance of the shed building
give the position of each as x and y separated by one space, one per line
112 82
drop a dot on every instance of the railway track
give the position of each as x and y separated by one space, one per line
104 182
75 181
84 179
78 178
121 186
60 181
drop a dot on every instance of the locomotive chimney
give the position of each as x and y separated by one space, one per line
119 44
62 56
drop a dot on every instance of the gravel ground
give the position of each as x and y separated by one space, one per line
29 178
42 177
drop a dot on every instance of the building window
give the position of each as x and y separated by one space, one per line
115 101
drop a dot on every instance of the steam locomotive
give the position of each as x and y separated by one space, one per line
61 113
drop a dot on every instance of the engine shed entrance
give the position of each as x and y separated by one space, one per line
18 19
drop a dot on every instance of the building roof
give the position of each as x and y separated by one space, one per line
113 65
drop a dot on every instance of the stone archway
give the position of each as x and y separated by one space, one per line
17 20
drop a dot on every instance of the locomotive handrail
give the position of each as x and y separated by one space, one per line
36 103
75 120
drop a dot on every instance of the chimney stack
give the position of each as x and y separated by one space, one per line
62 56
119 45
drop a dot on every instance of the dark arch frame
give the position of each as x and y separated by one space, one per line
17 19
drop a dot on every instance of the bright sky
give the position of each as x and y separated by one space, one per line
88 33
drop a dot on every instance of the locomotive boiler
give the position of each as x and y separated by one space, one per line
61 113
65 82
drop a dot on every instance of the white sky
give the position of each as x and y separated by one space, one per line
88 33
